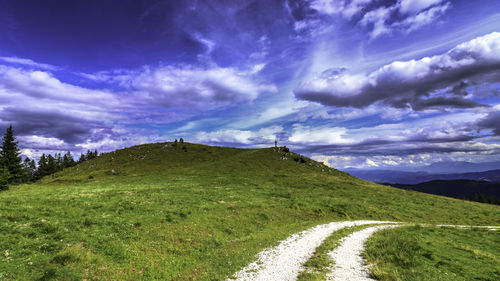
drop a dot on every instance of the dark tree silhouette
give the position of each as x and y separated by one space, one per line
43 167
82 158
9 156
51 164
68 160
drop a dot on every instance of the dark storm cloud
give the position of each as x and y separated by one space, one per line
53 124
394 148
492 121
431 82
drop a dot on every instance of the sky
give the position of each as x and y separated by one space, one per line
361 83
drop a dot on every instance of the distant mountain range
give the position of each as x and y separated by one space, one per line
405 177
457 167
482 191
443 167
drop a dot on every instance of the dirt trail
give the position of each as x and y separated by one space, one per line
349 264
284 261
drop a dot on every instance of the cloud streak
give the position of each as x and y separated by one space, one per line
28 62
381 18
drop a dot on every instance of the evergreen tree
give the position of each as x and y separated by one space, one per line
59 161
42 167
68 160
82 158
9 156
4 178
89 155
51 165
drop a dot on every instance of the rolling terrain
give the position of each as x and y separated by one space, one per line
190 212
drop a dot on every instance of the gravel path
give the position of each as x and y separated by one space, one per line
349 264
284 261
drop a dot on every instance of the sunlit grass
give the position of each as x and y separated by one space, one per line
432 253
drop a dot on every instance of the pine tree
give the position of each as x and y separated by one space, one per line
9 156
89 155
51 164
59 161
68 160
4 178
82 158
42 167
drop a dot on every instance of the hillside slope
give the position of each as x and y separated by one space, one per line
159 212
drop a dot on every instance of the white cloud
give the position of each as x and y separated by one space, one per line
43 85
377 19
447 80
318 135
415 6
346 8
191 87
422 18
264 136
42 142
382 19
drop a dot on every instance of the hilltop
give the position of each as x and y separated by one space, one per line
190 212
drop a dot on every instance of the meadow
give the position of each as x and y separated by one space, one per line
190 212
430 253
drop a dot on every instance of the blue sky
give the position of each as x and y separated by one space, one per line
362 83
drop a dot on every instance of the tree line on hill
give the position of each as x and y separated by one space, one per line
13 170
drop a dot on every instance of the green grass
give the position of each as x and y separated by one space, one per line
431 253
154 212
317 267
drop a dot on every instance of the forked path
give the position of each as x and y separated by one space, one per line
349 264
284 261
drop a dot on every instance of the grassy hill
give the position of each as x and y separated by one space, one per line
190 212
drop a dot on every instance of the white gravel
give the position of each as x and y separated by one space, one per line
349 264
284 261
